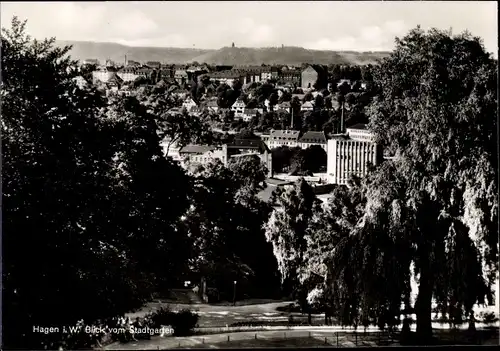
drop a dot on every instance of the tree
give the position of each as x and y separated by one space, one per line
224 223
60 139
273 100
249 171
177 129
287 228
298 163
316 158
319 102
282 158
438 121
247 133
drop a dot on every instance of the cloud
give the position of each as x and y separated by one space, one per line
255 33
82 21
369 38
172 40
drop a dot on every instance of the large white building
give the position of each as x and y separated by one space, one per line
279 138
350 154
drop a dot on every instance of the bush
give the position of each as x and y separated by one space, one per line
183 322
162 316
489 318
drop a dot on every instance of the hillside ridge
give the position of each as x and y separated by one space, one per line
288 55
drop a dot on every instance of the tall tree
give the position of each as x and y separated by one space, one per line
287 227
435 111
65 190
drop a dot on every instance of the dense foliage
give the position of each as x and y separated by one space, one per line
96 219
431 213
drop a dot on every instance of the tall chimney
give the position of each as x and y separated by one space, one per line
125 60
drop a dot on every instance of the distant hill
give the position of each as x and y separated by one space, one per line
83 50
226 56
287 56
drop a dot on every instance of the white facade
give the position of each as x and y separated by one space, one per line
307 106
206 157
102 75
189 104
127 75
303 145
238 108
348 157
279 138
359 134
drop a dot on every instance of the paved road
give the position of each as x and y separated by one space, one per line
155 343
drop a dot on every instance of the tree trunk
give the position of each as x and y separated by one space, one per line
472 321
423 306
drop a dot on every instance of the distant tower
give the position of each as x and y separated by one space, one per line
125 60
282 46
232 45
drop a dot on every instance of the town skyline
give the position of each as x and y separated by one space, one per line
363 26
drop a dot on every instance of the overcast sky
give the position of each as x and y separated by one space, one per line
335 25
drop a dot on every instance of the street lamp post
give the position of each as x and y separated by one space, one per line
234 293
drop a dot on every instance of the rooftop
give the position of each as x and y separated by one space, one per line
339 137
278 182
248 144
284 133
359 126
312 137
197 149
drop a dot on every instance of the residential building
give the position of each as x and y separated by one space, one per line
238 108
128 74
349 154
313 138
227 77
284 106
132 63
153 64
80 82
279 138
114 81
314 76
170 149
245 147
290 77
91 62
265 73
265 138
252 76
212 105
196 111
144 72
309 77
274 72
189 104
181 76
200 154
307 106
102 74
249 114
